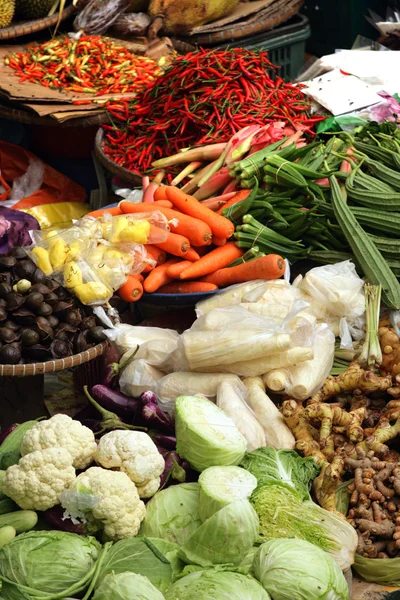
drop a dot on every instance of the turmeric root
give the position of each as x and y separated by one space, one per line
384 529
382 434
352 379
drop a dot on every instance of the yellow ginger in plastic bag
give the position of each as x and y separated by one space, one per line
58 254
42 259
93 292
129 231
72 275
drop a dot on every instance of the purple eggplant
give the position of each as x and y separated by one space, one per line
173 469
148 397
114 400
155 417
164 441
110 360
55 517
109 420
7 432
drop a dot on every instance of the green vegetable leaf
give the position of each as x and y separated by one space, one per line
212 584
121 586
283 467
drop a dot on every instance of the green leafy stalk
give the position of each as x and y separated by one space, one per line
371 354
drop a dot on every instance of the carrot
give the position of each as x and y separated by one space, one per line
163 203
197 232
211 262
187 287
132 290
217 241
159 194
175 244
159 255
175 270
158 276
113 211
192 255
238 197
267 267
138 276
190 206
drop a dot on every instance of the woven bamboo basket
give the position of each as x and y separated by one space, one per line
29 118
51 366
27 27
111 166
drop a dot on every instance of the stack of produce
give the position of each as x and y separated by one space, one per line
91 64
40 319
203 97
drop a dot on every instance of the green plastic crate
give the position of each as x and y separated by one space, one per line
285 44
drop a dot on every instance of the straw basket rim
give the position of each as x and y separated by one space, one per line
28 27
51 366
111 166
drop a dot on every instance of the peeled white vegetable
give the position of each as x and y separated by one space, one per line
231 399
219 486
205 436
277 433
138 377
177 384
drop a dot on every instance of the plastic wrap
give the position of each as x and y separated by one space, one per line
231 399
305 379
132 24
99 15
141 228
138 377
128 337
337 287
86 284
53 249
231 296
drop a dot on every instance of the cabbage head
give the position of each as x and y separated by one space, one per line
292 569
173 513
127 586
153 558
282 514
47 563
226 537
205 435
216 585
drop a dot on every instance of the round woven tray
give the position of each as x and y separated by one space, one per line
29 118
51 366
238 31
28 27
113 168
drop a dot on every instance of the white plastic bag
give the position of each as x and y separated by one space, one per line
337 287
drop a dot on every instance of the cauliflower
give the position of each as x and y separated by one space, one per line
62 432
134 453
105 500
39 478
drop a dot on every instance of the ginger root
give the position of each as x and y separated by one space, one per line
292 411
324 486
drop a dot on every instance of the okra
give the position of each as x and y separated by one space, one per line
384 173
365 251
381 154
285 176
279 162
237 210
252 253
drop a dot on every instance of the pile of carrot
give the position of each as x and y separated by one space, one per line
197 253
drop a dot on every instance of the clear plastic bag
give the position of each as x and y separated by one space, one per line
28 183
303 380
53 249
86 284
231 399
110 264
337 287
231 296
128 337
141 228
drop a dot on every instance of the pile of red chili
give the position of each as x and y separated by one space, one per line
203 97
92 64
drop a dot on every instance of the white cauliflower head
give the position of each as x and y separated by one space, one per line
39 479
105 500
62 432
134 453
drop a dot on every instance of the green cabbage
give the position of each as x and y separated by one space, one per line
385 571
226 537
127 586
47 563
284 467
213 584
153 558
173 514
219 486
297 570
205 436
283 515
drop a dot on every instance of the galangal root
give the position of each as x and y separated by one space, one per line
390 346
355 378
375 504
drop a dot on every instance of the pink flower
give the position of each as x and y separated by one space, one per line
388 110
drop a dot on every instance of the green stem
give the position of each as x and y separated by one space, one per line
109 419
